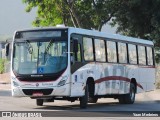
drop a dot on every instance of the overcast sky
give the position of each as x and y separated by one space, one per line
13 17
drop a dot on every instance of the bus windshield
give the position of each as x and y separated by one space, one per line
39 56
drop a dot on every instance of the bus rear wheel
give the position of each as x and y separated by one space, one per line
128 98
39 102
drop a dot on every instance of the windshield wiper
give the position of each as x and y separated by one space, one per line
49 45
29 47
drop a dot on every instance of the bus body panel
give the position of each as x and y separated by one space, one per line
147 77
112 79
118 76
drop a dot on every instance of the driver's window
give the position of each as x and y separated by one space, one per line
76 56
79 57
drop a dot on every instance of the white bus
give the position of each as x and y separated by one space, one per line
65 63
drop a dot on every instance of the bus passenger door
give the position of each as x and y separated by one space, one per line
76 66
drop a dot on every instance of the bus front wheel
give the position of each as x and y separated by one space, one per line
93 99
84 99
39 102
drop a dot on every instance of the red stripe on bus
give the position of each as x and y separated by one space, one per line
116 78
147 67
112 78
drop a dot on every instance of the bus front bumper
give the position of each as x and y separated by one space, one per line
37 92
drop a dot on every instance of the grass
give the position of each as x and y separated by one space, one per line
2 62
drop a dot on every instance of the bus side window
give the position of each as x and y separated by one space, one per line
122 52
88 49
132 54
149 56
141 55
111 51
100 50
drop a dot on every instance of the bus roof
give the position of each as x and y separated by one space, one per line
97 34
110 36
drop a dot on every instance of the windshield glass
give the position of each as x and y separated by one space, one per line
39 57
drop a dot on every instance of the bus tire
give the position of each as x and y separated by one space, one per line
39 102
93 99
84 99
91 89
128 98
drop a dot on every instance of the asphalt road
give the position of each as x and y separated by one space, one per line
147 103
8 103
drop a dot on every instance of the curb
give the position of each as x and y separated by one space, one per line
4 82
5 89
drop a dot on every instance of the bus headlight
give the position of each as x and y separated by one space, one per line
15 84
62 81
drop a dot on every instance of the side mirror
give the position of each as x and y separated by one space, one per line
75 45
7 49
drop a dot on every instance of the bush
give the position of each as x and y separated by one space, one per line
158 85
158 76
2 65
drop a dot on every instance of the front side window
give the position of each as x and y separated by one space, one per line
76 56
39 57
79 57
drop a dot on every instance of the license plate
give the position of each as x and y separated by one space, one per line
37 94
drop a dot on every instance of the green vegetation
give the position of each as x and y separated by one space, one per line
137 18
2 65
140 18
158 76
89 14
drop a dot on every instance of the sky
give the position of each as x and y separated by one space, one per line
13 17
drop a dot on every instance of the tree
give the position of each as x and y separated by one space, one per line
89 14
136 18
139 18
